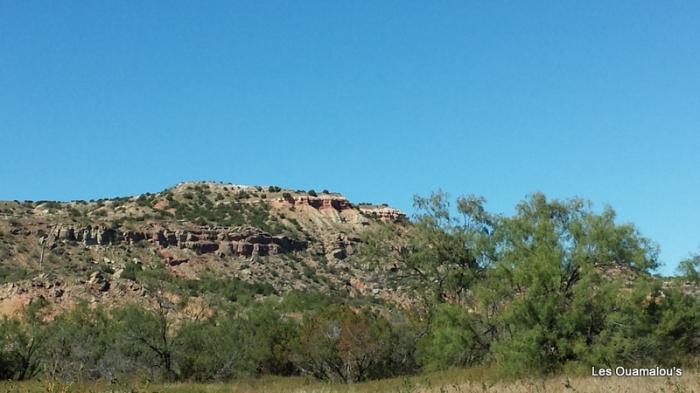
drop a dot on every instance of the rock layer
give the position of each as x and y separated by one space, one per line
244 241
383 213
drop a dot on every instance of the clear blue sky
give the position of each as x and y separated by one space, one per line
375 99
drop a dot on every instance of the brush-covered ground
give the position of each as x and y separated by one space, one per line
477 379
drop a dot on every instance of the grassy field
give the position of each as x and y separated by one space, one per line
453 381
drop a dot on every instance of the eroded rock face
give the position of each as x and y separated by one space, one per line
323 202
383 213
244 241
98 282
88 235
99 249
340 246
336 209
339 204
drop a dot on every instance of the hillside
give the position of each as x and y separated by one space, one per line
274 239
217 282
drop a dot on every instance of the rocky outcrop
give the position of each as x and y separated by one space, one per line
133 237
97 282
383 213
88 235
242 241
98 255
246 241
340 246
323 202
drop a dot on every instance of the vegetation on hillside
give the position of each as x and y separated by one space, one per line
557 287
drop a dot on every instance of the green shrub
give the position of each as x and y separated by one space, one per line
340 344
231 290
12 274
81 344
99 213
131 271
308 272
213 350
143 201
452 340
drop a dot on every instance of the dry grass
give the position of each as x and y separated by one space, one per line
453 381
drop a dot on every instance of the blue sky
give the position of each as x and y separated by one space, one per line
376 99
